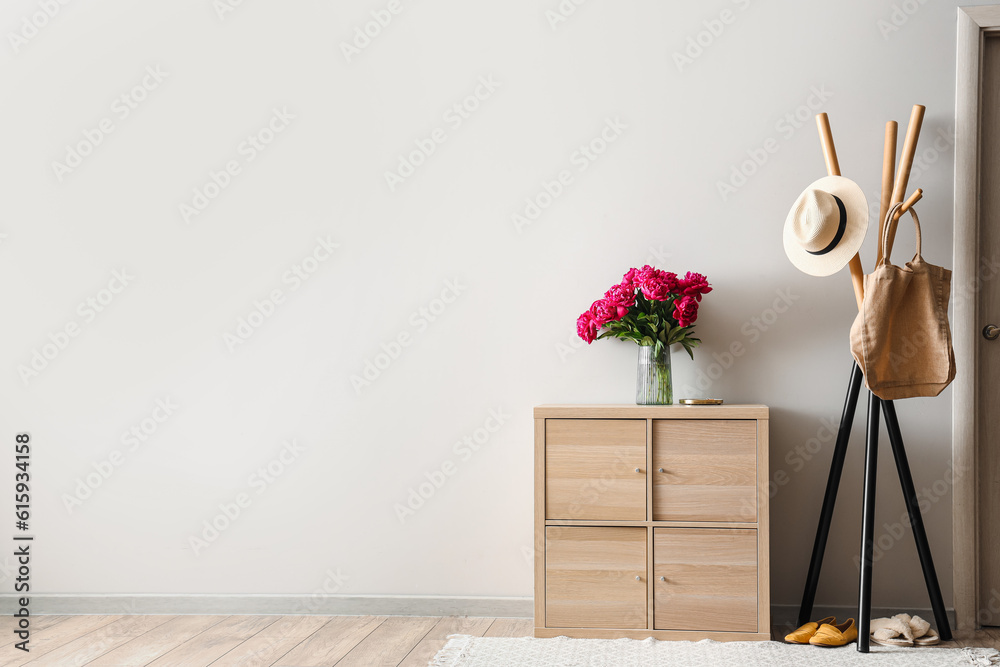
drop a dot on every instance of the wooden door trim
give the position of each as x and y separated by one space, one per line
973 22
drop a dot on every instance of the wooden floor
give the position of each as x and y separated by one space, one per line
256 641
244 641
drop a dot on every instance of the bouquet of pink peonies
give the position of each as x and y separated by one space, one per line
649 306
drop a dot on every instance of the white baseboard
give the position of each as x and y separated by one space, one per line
333 605
783 615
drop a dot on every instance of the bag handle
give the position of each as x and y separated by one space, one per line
888 229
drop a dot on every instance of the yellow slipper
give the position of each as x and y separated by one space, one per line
830 635
805 633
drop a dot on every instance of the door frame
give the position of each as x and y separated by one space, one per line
973 23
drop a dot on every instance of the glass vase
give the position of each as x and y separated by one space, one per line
653 384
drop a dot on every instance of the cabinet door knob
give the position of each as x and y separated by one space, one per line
663 579
660 470
638 470
638 578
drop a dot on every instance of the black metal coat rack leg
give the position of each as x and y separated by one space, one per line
887 408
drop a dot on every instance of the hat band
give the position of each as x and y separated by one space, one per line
840 230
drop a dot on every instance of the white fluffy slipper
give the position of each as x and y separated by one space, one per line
920 632
923 634
891 632
919 625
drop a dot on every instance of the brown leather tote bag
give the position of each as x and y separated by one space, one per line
901 339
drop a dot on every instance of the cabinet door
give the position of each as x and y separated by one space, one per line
595 577
709 579
709 470
590 469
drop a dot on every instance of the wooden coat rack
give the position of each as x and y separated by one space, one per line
893 191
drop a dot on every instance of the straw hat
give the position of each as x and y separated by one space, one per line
826 226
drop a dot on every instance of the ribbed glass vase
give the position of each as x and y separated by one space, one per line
653 384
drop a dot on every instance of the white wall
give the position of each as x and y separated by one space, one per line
504 344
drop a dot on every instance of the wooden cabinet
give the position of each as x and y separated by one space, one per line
704 470
595 469
705 579
651 521
595 577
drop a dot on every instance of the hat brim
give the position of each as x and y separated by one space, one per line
856 206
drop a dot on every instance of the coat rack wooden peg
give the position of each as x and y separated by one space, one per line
888 167
833 169
903 174
914 198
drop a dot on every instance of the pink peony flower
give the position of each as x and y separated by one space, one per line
631 278
694 284
622 298
604 312
654 290
587 326
670 280
686 311
667 300
657 285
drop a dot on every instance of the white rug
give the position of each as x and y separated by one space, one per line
465 651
